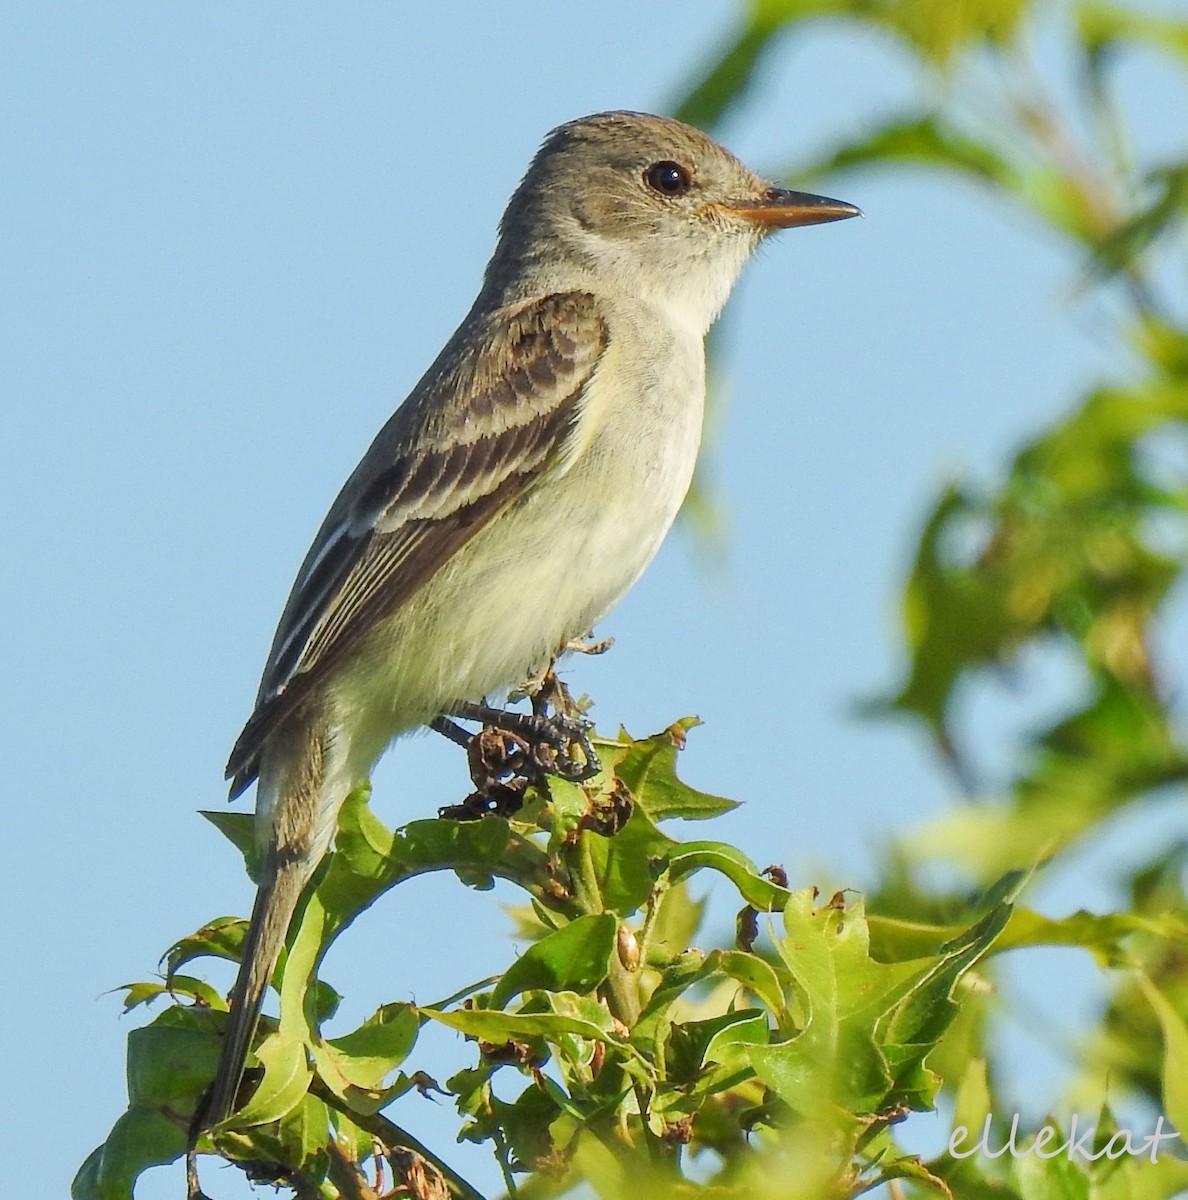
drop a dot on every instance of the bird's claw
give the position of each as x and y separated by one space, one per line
513 749
518 745
556 735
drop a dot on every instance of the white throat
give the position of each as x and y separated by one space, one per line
688 287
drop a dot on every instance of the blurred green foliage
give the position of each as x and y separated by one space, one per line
638 1064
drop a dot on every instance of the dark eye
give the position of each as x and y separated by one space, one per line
668 178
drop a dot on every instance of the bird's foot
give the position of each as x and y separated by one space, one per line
543 681
581 646
494 800
514 749
529 744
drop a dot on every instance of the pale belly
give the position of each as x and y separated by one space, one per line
540 575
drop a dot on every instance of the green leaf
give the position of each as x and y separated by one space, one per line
654 1020
627 865
1056 1178
1140 1179
140 1139
953 618
526 1122
728 80
897 939
300 1140
917 1021
569 806
649 771
1163 215
1103 934
363 839
575 957
688 971
366 1056
938 29
307 943
674 924
1175 1054
1106 27
171 1061
86 1181
973 1103
722 1041
742 1027
285 1082
178 987
922 140
869 1025
1109 754
910 1167
1062 548
221 938
757 891
499 1027
370 859
238 828
754 973
574 1050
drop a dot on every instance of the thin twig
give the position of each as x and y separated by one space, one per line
390 1134
345 1174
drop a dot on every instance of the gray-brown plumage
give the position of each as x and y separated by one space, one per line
513 498
493 410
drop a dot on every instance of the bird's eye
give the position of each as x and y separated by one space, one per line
668 178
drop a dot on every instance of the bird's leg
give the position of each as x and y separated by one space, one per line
537 678
515 746
497 756
550 737
581 646
551 693
500 765
543 686
494 755
452 730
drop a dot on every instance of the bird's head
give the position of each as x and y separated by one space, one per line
650 205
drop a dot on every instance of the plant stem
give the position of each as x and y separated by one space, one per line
622 992
390 1134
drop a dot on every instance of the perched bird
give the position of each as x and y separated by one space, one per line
513 498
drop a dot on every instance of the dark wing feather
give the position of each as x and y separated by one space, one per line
490 417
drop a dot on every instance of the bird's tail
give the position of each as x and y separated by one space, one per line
276 901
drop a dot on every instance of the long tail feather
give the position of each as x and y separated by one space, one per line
276 901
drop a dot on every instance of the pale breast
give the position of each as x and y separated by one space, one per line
557 561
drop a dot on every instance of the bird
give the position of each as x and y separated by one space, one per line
512 499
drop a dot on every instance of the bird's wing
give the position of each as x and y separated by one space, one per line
493 414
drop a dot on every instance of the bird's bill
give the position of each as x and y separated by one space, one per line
782 209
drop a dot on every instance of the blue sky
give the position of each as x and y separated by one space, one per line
234 237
